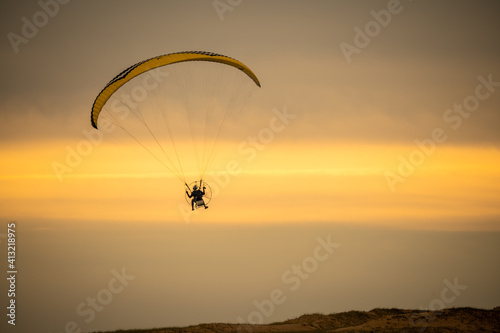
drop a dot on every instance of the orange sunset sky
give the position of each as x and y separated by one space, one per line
390 139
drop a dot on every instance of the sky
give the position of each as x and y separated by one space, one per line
379 188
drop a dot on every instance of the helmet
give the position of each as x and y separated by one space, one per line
195 187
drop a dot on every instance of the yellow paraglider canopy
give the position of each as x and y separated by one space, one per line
159 61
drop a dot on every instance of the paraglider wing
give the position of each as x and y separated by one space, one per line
159 61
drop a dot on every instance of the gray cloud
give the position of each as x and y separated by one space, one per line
426 59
